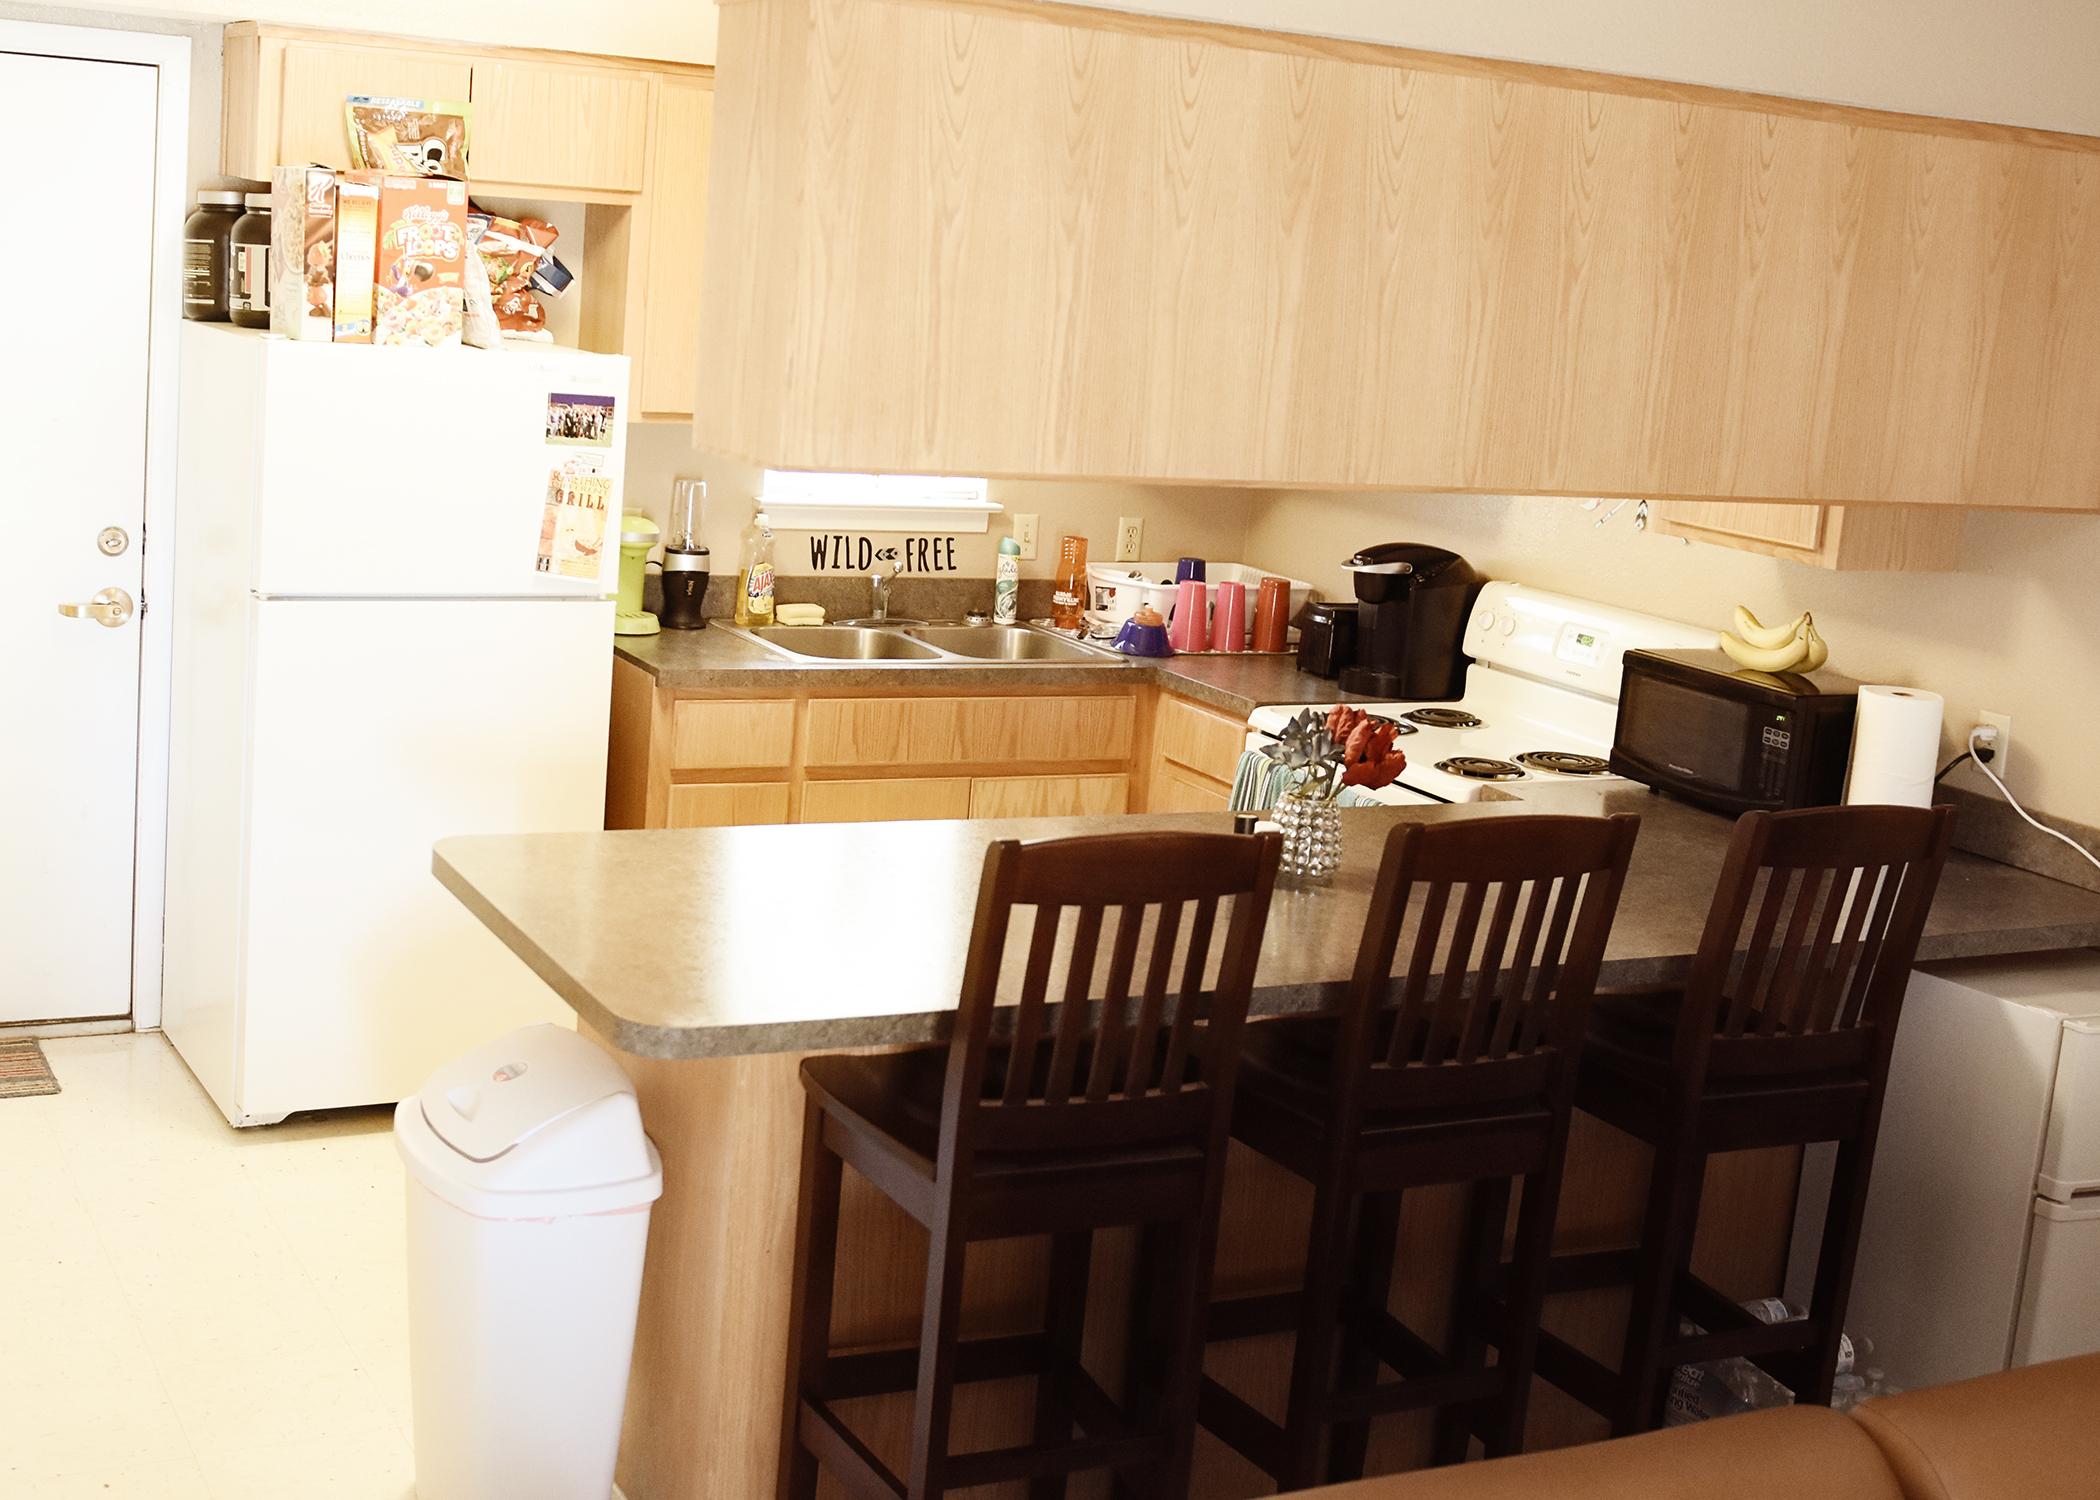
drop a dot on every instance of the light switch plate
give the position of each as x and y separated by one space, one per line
1024 533
1130 538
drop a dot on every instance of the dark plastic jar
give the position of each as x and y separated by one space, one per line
207 242
248 265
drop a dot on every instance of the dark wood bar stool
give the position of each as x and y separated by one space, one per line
1779 1036
1469 1078
1109 1110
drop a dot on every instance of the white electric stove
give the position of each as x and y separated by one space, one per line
1541 699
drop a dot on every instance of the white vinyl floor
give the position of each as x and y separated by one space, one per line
190 1312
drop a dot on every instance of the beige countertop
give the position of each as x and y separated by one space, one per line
734 941
712 660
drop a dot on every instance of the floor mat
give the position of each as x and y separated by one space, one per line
23 1070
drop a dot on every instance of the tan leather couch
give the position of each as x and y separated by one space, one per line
2031 1434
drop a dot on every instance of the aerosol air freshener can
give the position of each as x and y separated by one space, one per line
1006 586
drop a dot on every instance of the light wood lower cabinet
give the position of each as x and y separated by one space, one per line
1843 538
730 735
897 800
728 804
1048 796
920 731
1176 790
1195 756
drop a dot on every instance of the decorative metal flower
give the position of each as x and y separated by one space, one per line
1305 746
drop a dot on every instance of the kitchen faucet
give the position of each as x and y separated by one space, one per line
881 582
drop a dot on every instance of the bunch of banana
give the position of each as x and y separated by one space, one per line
1793 647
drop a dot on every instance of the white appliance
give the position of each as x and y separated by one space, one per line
368 659
1540 704
1981 1245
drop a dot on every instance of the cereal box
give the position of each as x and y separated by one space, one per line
419 278
302 252
356 247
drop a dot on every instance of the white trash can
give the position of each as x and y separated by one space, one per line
530 1182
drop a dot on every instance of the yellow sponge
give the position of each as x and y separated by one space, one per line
799 614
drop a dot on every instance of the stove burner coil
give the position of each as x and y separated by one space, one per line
1480 768
1444 718
1564 763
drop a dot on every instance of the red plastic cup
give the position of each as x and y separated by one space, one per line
1191 628
1272 615
1228 621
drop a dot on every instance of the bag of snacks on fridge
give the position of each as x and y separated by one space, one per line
512 250
426 137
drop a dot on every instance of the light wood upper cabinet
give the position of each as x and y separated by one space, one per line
1074 241
1844 538
283 100
676 232
560 125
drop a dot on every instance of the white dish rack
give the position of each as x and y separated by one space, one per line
1116 590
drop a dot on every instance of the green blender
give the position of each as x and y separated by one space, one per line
638 535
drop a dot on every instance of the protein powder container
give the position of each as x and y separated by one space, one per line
207 247
248 265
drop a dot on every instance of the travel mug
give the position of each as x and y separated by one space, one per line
1272 615
1191 628
1187 568
1228 621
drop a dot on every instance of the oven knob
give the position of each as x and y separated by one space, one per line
1487 621
1509 626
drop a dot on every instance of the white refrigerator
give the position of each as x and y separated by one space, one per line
1981 1246
391 625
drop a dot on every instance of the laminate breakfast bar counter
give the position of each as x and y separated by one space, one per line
709 961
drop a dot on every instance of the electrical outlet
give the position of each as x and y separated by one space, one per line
1024 533
1130 538
2003 749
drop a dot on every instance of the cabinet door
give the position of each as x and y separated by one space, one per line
561 127
731 734
728 804
1175 790
885 801
1795 528
1206 742
318 76
1048 796
675 235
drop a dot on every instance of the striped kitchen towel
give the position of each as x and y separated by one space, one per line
1260 781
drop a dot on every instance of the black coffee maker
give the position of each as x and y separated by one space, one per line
1410 622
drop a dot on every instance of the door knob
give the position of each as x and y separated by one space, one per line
111 607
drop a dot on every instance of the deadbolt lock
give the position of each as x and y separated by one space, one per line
113 541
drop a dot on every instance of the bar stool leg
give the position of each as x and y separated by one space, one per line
1665 1250
1517 1355
940 1329
1064 1322
1312 1362
1371 1284
1834 1263
1190 1252
809 1314
1487 1218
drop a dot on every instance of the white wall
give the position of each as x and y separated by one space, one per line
679 30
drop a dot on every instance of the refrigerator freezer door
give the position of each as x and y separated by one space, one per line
2060 1301
380 728
423 473
2071 1154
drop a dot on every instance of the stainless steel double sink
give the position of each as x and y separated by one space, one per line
927 643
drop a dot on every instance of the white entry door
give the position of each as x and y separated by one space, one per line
76 252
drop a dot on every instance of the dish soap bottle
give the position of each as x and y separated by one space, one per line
754 578
1006 587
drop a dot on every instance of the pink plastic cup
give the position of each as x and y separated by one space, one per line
1191 628
1228 622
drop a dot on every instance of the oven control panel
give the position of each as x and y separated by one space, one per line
1574 642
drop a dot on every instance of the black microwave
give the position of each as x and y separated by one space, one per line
1695 725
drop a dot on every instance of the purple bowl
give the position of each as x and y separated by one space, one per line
1142 640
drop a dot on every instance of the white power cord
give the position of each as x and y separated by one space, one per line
1983 764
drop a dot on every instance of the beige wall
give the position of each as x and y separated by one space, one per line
2018 630
1178 522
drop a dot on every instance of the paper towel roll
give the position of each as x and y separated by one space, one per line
1895 743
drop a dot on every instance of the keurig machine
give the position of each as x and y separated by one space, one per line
1410 622
686 560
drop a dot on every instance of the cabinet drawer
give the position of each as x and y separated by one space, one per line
319 76
723 735
885 801
1207 743
1048 796
728 804
962 731
559 127
1175 790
